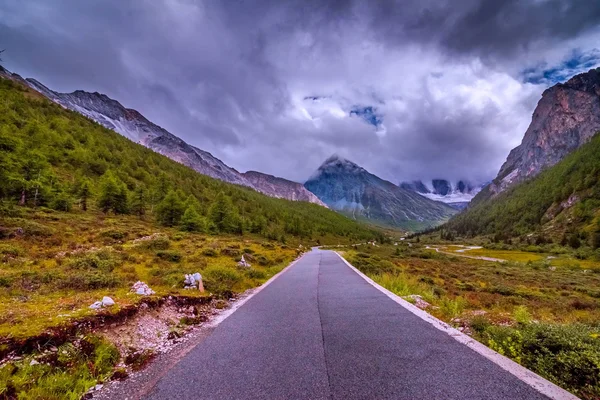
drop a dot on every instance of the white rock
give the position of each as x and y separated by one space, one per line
97 305
107 301
34 362
142 289
192 281
419 302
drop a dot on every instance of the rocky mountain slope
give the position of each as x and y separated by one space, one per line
561 204
566 117
352 190
133 125
280 188
457 195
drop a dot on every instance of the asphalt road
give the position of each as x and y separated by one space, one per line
320 331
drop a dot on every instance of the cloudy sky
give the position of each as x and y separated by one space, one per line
415 89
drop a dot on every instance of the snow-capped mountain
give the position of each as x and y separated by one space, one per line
457 195
350 189
133 125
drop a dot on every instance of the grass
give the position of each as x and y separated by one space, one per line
543 313
60 263
51 281
566 259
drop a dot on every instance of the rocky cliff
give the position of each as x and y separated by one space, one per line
280 188
348 188
566 117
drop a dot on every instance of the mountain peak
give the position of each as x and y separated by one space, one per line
335 160
352 190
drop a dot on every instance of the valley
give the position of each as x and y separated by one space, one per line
300 200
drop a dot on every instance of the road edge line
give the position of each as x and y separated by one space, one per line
236 305
532 379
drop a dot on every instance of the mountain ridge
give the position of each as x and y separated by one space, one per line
132 124
349 188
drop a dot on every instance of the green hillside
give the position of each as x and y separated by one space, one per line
560 205
55 158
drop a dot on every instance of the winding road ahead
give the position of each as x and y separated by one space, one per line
321 331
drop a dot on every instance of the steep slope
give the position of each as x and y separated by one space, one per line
566 117
53 157
561 200
457 195
133 125
280 188
352 190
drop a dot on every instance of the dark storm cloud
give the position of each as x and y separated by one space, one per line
278 86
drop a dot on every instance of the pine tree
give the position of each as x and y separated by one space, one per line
170 209
108 192
223 214
138 201
595 236
84 193
121 204
192 221
113 195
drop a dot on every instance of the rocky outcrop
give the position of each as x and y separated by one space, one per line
352 190
280 188
566 117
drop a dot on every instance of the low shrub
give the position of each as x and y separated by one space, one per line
221 280
7 250
167 255
568 355
264 260
373 265
88 280
255 274
155 242
452 308
479 323
209 252
77 367
35 229
114 234
230 252
104 260
521 315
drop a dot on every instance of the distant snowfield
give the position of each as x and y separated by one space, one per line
455 197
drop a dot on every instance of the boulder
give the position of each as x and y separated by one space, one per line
193 281
107 301
142 289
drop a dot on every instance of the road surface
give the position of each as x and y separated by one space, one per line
320 331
